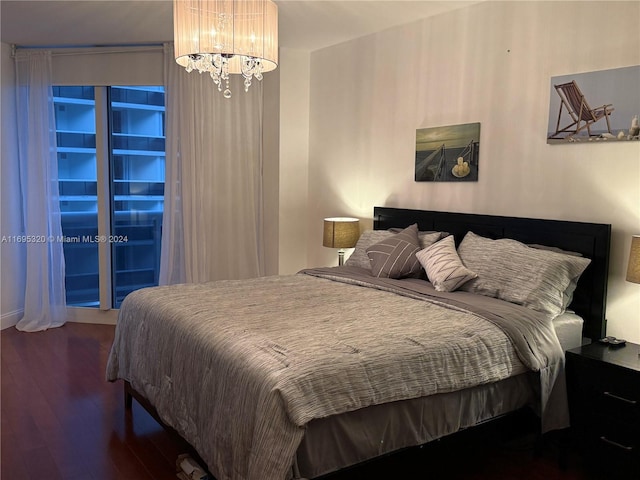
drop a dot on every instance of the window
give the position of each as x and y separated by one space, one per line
111 152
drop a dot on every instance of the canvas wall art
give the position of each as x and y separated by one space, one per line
448 154
601 106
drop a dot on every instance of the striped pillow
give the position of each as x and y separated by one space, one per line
395 256
512 271
444 268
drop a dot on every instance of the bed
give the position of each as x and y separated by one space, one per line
298 376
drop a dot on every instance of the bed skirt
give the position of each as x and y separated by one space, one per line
341 441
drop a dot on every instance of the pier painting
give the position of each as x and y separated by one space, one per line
448 154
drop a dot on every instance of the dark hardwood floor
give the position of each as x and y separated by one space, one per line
62 420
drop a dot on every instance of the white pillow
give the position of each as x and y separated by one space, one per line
444 268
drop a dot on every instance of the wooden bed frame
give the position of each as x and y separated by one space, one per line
589 239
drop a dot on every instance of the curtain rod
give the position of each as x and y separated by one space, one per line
89 49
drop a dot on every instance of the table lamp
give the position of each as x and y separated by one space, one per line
341 233
633 270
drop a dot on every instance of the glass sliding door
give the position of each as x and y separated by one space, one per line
137 186
111 179
75 114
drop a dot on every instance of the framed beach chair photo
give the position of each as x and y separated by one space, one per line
595 107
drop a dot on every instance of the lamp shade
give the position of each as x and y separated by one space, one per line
226 27
633 270
341 232
225 37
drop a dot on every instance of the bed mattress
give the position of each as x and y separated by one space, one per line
568 327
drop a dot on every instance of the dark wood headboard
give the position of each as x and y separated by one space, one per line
589 239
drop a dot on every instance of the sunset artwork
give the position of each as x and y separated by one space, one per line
448 154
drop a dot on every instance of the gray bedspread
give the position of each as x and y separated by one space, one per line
239 367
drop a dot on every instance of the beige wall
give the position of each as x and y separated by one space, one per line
294 160
271 169
489 63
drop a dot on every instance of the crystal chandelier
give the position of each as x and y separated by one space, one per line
226 37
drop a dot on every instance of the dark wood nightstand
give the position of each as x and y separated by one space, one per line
604 401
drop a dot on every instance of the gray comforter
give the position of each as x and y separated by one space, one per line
239 367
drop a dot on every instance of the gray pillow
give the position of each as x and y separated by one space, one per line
568 293
395 256
429 238
553 249
359 257
512 271
444 268
426 237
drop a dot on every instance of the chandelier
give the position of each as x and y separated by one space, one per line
226 37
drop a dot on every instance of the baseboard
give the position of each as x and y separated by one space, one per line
92 315
74 314
10 319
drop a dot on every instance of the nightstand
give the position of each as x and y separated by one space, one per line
603 384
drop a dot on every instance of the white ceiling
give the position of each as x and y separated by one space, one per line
303 24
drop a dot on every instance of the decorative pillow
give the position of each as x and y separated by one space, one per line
359 257
395 256
511 271
444 268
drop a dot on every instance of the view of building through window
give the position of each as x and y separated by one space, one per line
114 249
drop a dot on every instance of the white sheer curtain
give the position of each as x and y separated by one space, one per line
213 223
44 305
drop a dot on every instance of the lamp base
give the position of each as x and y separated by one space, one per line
341 257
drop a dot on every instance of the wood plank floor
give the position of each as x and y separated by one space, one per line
62 420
